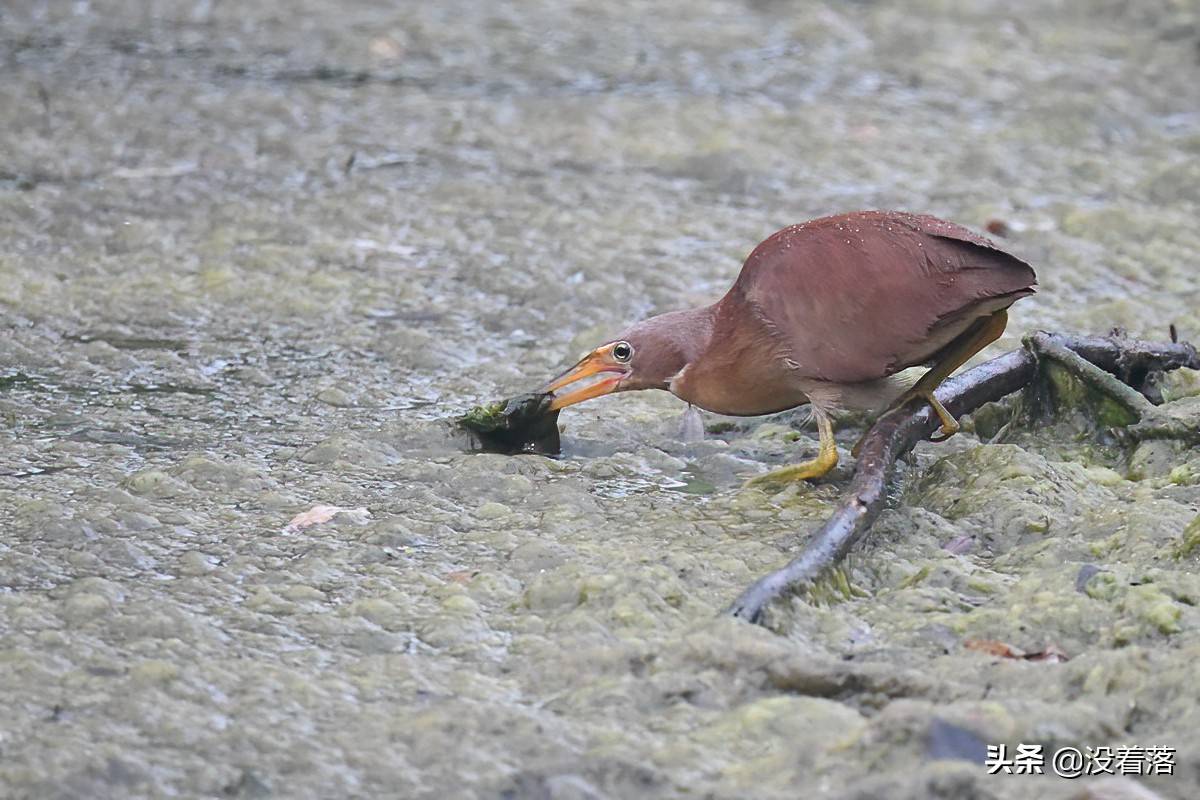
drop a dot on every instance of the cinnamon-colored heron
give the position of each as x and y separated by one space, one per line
824 313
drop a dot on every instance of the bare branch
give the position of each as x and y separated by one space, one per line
897 432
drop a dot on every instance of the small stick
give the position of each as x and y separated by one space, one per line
1129 398
897 432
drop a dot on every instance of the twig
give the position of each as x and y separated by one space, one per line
898 431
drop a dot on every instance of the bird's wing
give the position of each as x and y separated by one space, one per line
859 296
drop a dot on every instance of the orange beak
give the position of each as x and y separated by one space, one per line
595 363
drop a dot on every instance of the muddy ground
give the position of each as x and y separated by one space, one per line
253 252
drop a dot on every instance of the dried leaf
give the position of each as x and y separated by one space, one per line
994 648
959 545
319 514
462 576
1050 654
998 227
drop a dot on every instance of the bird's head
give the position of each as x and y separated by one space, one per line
646 356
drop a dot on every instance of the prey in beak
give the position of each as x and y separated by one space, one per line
610 362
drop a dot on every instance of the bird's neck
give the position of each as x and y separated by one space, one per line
673 341
735 368
690 331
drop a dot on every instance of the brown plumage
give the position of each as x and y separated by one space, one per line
824 312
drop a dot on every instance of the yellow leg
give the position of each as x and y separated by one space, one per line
826 459
959 353
950 425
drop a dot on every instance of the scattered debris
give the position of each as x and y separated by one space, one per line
1050 654
1085 574
165 171
993 648
998 227
959 544
320 514
947 741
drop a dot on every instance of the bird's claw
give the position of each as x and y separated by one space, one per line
943 433
805 471
779 477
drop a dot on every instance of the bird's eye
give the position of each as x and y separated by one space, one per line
622 351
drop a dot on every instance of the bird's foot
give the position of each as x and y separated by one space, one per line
854 451
805 471
950 425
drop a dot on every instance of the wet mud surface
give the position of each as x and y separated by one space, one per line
255 254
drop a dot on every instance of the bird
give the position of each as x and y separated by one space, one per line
824 313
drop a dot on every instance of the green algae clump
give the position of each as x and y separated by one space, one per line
521 424
1189 543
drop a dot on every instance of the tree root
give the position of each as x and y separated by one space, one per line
1094 360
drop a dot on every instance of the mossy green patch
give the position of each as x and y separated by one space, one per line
1071 393
1189 543
1103 586
833 587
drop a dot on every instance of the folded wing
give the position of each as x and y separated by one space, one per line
859 296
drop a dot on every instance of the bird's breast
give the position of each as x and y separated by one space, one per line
741 387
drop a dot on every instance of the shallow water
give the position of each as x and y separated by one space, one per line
253 255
